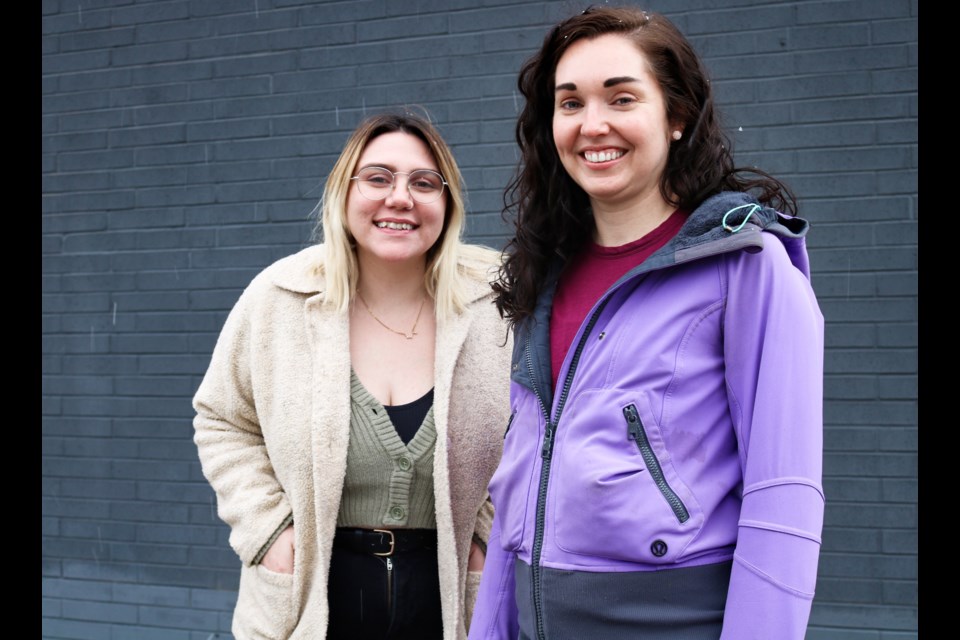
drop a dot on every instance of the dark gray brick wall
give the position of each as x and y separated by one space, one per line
185 144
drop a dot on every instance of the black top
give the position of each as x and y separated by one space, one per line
407 418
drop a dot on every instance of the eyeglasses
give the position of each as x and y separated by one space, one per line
423 185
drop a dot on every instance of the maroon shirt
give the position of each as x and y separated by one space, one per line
589 275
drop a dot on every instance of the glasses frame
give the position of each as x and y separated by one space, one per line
393 184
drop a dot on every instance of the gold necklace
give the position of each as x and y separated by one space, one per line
413 330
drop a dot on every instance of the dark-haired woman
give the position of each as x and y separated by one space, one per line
661 475
353 410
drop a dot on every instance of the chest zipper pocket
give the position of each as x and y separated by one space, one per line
637 433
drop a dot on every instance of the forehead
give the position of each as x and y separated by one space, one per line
602 57
398 150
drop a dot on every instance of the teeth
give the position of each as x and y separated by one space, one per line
602 156
398 226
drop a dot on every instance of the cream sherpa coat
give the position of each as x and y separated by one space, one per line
272 425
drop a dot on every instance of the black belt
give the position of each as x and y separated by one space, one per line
384 542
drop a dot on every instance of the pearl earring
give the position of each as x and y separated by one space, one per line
677 134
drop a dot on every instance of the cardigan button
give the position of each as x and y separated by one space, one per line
404 463
396 512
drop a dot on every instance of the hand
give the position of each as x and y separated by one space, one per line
279 557
475 561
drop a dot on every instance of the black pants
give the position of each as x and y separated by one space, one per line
395 597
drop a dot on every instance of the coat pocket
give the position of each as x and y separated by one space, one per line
265 605
510 484
618 495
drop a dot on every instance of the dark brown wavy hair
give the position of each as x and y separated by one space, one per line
552 213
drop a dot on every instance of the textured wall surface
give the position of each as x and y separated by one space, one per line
185 144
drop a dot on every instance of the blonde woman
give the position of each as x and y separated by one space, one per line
355 404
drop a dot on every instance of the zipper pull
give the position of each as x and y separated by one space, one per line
633 421
547 450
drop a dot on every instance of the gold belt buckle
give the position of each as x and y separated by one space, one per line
392 541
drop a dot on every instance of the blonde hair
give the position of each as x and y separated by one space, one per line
444 277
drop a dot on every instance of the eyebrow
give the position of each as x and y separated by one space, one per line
609 82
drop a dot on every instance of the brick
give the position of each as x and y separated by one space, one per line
68 385
51 244
181 492
859 108
857 540
252 21
139 511
887 31
853 489
67 508
896 182
900 541
172 72
891 386
149 54
177 617
142 14
97 282
875 57
874 413
49 608
100 364
171 154
865 159
902 439
853 591
830 633
74 629
896 80
412 26
833 11
898 131
868 566
869 259
51 406
87 569
87 160
901 593
102 531
865 616
151 595
223 558
334 57
900 490
898 335
184 577
143 633
148 554
893 465
847 438
146 218
97 39
186 321
866 209
850 387
75 426
87 120
49 526
78 61
217 600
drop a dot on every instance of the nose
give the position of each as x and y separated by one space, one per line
399 197
594 121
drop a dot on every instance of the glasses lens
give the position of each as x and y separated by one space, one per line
374 183
425 185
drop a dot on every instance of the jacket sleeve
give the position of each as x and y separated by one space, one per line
495 612
231 445
773 341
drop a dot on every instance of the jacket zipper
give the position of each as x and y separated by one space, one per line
546 453
637 433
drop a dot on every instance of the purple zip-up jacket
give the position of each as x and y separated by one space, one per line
686 429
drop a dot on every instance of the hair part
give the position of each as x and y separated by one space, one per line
443 275
553 215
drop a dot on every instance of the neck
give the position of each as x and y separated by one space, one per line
391 283
618 225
